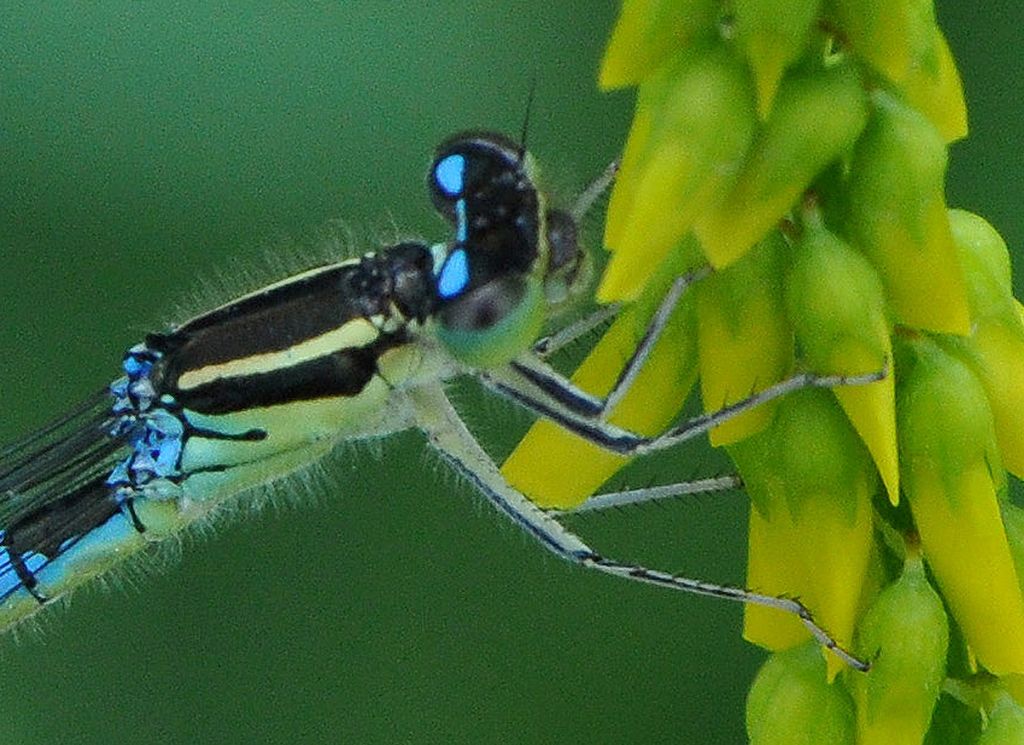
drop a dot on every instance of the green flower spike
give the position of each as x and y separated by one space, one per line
799 148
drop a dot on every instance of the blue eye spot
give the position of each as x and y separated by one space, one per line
454 274
449 173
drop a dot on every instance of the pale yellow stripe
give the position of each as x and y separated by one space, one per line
355 333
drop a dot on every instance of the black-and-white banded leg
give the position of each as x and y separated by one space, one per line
630 497
621 441
533 369
593 192
453 441
548 345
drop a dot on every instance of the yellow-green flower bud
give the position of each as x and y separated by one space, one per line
837 306
772 35
743 337
986 262
648 32
949 460
905 635
901 40
995 349
695 119
816 118
810 480
893 36
792 703
897 216
1005 724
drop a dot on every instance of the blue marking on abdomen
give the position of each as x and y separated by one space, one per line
10 582
89 555
156 435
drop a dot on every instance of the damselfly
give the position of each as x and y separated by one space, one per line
262 386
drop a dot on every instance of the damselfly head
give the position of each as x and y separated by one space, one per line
483 184
512 256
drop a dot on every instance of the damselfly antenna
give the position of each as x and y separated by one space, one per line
526 116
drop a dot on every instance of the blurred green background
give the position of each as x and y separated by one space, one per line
148 148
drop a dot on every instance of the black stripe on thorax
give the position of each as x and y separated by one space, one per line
285 314
275 318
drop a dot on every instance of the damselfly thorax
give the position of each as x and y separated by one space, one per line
262 386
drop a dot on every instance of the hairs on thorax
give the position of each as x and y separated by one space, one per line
275 259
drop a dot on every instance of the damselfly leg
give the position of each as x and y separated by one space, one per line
532 383
548 399
449 436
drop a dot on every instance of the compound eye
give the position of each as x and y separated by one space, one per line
484 306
